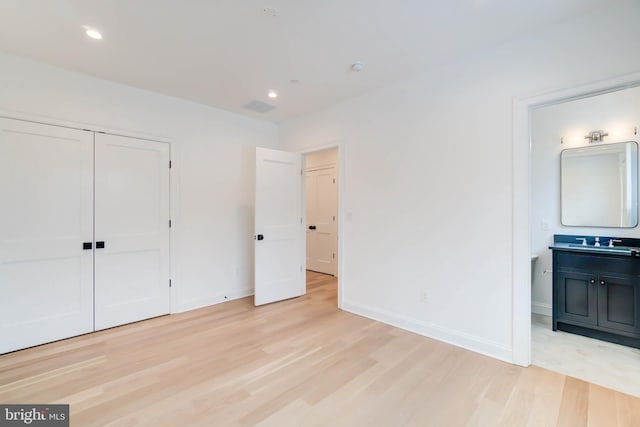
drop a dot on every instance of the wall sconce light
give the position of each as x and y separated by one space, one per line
596 136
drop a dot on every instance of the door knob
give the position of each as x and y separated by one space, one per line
602 282
259 237
312 227
592 281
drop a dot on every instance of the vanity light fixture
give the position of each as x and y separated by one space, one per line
596 136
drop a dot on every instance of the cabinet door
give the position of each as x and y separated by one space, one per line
46 214
576 296
132 219
619 303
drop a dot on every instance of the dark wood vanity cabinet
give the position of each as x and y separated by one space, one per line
597 295
576 297
619 303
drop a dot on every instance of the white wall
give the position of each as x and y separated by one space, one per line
428 181
212 179
617 113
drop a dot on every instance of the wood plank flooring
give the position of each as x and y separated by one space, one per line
300 362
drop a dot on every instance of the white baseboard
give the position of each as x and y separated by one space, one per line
431 330
541 308
195 303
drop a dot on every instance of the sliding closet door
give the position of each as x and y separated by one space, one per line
46 214
131 230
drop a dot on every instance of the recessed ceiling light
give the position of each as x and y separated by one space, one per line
94 34
272 94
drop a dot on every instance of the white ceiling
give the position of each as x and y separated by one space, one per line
226 53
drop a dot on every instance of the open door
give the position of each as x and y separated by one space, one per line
279 229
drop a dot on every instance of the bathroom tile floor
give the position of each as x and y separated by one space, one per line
599 362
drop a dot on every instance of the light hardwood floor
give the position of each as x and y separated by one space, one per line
299 362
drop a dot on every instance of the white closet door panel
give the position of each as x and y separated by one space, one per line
46 278
132 219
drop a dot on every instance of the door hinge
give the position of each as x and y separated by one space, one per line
334 218
169 223
334 256
169 282
169 164
300 172
334 180
300 220
300 269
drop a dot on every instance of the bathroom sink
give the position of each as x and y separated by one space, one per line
625 247
604 249
609 248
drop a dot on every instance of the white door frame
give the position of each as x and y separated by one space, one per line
521 258
341 187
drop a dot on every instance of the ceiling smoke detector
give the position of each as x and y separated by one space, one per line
357 66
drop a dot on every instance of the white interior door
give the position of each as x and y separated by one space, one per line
279 229
311 197
132 221
46 214
322 229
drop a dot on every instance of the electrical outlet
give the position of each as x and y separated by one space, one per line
424 296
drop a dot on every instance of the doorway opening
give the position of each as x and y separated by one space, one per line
556 126
321 184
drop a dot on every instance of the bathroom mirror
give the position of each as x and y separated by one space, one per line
599 185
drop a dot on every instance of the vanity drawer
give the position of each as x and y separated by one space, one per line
572 261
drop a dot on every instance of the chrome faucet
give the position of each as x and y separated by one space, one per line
613 240
597 242
584 240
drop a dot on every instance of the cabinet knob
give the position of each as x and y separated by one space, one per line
593 281
602 282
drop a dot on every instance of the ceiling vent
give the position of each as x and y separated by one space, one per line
259 106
